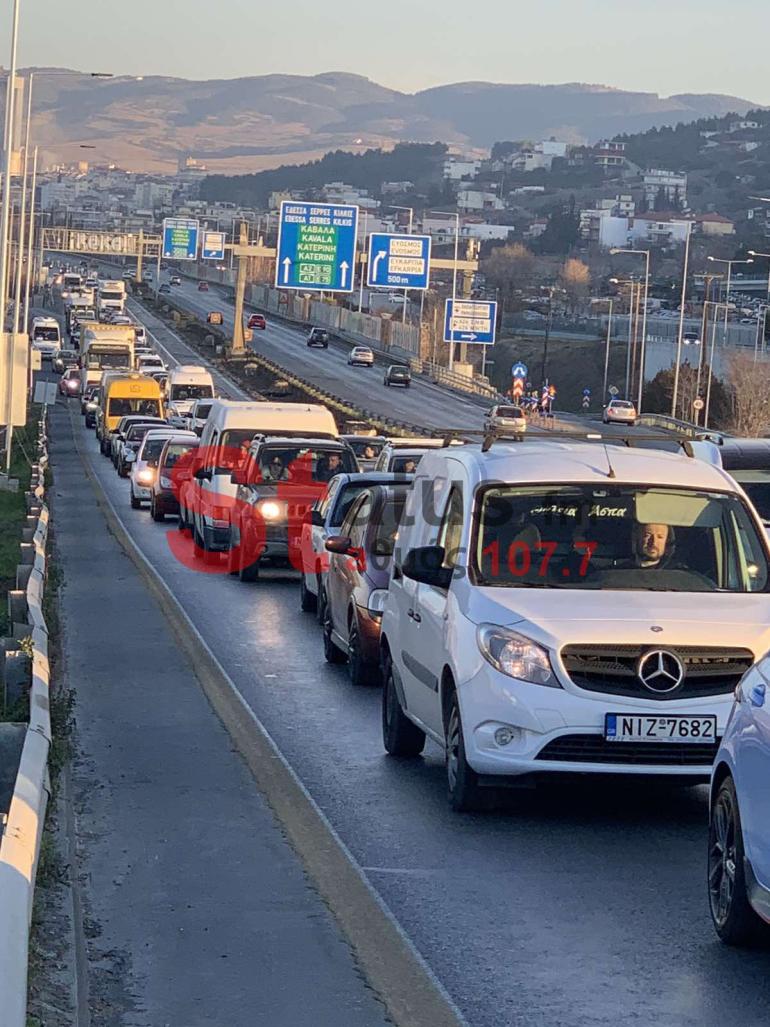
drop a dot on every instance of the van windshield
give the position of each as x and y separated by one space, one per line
45 333
121 407
183 392
622 537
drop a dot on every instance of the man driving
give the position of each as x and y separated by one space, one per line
653 545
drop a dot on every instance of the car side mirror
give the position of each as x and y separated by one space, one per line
338 544
426 566
203 474
316 519
130 456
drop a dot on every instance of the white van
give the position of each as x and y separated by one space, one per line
186 383
227 435
46 336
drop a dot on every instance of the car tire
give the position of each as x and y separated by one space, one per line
400 736
122 470
734 920
331 653
157 512
104 448
462 780
136 504
307 601
320 610
248 573
362 672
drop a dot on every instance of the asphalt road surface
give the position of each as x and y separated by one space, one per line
580 905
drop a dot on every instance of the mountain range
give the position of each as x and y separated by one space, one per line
248 124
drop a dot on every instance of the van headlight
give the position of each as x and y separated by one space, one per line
516 655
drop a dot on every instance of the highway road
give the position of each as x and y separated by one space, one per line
581 905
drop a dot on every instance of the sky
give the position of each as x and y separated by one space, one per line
661 46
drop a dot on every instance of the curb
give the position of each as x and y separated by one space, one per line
20 843
391 965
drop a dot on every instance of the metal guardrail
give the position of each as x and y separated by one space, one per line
686 428
20 843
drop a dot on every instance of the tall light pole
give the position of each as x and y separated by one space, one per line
711 364
410 210
708 279
30 241
763 321
680 336
646 255
5 209
456 217
730 263
610 303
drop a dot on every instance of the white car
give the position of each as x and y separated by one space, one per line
144 465
620 411
559 607
739 829
148 363
361 355
505 417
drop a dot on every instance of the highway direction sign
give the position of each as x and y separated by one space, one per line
470 321
180 238
398 261
213 247
317 247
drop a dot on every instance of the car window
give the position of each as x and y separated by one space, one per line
451 528
355 524
345 499
386 527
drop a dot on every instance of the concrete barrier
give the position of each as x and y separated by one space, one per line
20 843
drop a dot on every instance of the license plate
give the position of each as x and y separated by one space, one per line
624 727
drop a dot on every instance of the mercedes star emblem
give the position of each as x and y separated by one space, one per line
661 671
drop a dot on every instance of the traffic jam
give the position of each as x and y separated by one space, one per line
541 609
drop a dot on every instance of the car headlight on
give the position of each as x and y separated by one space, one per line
145 477
377 602
271 510
516 655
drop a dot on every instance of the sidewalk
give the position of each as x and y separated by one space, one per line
196 910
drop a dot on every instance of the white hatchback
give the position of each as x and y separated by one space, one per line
560 607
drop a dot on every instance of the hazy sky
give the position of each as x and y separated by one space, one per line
663 46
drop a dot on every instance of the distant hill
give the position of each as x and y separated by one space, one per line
248 124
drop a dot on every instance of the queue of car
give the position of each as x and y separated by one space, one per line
536 608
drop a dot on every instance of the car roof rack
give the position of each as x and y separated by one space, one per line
558 435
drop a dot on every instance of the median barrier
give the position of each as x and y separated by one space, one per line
20 842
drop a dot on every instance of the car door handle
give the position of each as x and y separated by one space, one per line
415 616
757 695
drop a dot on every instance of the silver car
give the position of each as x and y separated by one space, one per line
620 411
505 417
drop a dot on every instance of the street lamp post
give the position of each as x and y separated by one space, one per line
730 263
642 349
754 253
711 364
675 394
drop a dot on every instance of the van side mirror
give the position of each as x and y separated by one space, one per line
338 544
426 566
203 474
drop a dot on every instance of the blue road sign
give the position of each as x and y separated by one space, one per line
213 246
398 261
180 238
317 247
470 321
519 370
586 392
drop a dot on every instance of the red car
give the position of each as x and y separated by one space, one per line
69 383
203 286
257 321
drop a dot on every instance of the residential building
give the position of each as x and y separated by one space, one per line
610 154
658 183
484 231
277 198
535 228
457 169
340 192
394 188
477 199
714 225
739 126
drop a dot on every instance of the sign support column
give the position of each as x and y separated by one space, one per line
139 256
238 344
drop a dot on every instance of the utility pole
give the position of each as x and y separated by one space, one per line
675 394
139 257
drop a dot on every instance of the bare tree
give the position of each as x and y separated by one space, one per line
749 382
509 268
576 279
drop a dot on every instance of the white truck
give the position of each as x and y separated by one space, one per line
111 295
79 308
45 336
186 383
104 347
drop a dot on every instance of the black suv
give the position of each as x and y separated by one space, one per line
398 374
318 337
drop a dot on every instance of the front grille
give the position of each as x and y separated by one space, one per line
596 749
611 669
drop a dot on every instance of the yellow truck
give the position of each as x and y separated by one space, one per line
123 395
